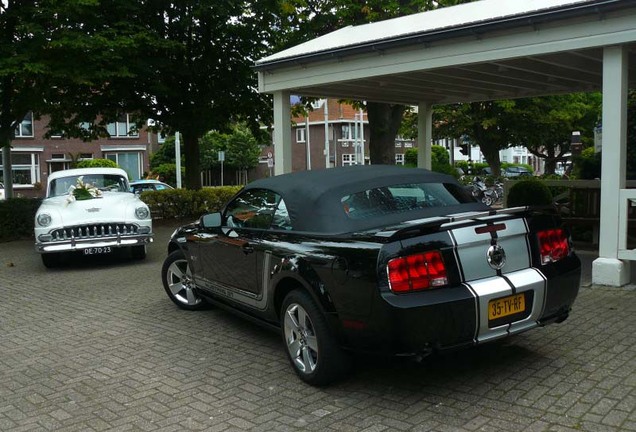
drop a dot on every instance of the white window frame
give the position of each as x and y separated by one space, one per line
114 129
347 132
33 167
349 159
21 128
399 158
300 135
114 156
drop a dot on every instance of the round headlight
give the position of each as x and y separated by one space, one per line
142 212
44 219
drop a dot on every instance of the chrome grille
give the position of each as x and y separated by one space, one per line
94 231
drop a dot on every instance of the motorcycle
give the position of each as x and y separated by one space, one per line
483 193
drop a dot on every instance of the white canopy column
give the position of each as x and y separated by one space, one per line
282 133
424 134
608 269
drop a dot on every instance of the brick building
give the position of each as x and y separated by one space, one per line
34 157
348 139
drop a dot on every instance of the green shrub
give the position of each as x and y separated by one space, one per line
17 218
96 163
587 165
167 172
529 192
187 204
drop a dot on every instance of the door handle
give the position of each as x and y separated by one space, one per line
247 249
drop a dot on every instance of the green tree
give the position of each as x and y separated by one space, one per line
196 70
165 154
185 64
544 125
440 161
482 123
64 58
242 149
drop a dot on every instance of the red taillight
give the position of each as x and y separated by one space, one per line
553 245
417 272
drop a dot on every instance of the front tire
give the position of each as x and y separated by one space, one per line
51 260
178 282
311 348
138 252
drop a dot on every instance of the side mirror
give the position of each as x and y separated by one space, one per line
211 220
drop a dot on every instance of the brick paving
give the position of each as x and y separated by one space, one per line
97 346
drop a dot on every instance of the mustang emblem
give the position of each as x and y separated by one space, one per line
496 257
93 210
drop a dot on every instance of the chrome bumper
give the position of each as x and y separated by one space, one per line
78 244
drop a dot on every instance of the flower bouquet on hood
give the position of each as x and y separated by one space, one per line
83 191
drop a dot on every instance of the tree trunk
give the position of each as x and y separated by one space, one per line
192 162
7 169
384 122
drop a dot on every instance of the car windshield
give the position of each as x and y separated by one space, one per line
104 182
403 198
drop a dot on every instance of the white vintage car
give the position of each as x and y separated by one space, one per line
92 211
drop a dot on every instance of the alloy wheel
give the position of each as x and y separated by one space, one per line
300 337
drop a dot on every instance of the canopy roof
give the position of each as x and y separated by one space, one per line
489 49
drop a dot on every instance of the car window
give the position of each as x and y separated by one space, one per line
281 217
252 209
160 186
104 182
402 198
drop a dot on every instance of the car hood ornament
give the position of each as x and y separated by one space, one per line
496 257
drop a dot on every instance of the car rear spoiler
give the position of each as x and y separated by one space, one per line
437 222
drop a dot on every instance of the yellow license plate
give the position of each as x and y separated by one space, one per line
505 306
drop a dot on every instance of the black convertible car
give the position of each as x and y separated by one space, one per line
374 259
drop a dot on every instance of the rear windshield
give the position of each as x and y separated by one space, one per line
403 198
104 182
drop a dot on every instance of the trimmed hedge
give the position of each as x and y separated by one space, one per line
17 218
184 203
529 192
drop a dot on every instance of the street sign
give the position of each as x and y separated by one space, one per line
221 156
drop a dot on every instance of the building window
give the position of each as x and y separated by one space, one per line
131 162
25 168
161 137
348 159
300 135
347 132
25 129
399 158
122 128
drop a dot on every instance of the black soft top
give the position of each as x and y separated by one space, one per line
313 198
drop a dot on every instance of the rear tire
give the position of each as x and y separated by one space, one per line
179 284
312 350
51 260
